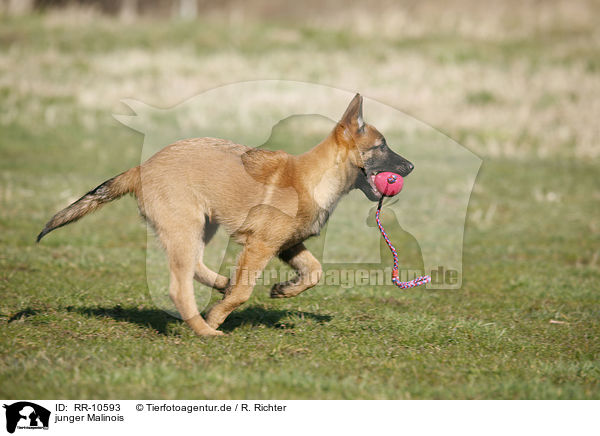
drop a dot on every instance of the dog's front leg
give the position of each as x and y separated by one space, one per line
252 261
306 265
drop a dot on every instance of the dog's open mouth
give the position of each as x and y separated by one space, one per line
384 183
371 180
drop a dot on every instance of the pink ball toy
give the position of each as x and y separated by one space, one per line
389 184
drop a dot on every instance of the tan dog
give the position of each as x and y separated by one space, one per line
268 201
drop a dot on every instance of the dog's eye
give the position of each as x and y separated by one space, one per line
379 147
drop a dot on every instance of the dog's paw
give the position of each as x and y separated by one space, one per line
203 328
279 291
210 333
215 333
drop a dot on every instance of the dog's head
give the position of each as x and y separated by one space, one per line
367 150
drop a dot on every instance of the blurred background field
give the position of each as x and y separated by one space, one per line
516 82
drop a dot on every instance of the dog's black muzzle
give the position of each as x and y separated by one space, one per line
391 162
380 161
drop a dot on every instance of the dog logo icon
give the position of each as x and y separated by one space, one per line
26 415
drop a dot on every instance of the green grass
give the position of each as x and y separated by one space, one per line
77 320
76 314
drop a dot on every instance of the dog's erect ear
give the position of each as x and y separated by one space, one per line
353 117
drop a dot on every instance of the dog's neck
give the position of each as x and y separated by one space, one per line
331 172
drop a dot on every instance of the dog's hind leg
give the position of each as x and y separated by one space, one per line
208 277
252 261
183 254
204 274
308 270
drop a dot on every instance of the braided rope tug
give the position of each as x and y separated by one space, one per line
389 184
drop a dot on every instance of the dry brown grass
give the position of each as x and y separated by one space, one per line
512 78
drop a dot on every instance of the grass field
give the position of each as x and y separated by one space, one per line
76 317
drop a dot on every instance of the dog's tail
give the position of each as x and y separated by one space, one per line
125 183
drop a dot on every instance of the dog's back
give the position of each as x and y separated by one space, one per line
217 178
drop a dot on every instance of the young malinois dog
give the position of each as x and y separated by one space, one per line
268 201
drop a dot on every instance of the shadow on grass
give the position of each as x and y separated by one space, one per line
25 313
153 318
160 321
257 315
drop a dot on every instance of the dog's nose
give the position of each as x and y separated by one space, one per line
410 167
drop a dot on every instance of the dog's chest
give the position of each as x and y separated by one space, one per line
311 224
319 221
326 195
